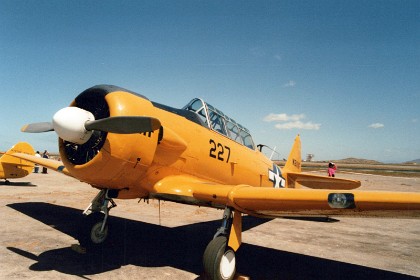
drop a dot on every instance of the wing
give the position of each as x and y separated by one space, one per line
271 202
49 163
322 182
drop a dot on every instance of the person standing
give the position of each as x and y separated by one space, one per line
331 169
45 155
36 168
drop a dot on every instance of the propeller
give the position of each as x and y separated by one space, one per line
76 125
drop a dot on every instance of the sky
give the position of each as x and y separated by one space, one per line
344 75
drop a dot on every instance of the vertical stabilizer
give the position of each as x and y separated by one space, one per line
294 161
293 164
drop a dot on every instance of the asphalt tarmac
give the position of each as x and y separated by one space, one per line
42 218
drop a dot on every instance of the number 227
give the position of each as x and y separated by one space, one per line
218 151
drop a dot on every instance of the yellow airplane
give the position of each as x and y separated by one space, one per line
12 167
129 147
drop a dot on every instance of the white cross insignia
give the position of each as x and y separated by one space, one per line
275 177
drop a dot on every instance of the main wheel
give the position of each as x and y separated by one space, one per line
219 260
96 235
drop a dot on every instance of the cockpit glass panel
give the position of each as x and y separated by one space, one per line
246 137
202 114
196 105
217 121
234 132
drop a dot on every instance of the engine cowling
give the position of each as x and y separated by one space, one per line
109 160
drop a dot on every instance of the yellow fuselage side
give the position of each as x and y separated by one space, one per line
212 155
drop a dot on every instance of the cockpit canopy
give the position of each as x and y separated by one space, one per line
217 121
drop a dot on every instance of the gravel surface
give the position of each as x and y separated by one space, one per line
42 219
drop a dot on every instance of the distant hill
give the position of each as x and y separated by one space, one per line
357 161
416 161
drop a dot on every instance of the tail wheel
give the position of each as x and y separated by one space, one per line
219 260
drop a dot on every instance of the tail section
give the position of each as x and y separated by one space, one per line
12 167
294 178
294 161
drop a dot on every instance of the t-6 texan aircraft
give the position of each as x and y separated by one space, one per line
129 147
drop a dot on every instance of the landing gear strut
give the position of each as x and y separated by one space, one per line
219 259
100 203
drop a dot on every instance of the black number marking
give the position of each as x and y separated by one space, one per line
212 149
296 163
228 155
221 151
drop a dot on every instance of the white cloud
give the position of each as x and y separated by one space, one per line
290 83
298 125
376 125
294 121
283 117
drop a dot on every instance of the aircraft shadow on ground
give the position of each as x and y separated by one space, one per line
18 184
148 245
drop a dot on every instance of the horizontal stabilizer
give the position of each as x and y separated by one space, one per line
321 182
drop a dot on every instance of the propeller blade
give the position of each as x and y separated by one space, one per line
76 125
124 124
37 127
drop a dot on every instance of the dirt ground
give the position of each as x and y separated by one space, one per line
42 218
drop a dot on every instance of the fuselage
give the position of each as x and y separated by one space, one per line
135 163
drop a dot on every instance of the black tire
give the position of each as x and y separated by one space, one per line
219 260
96 235
84 230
